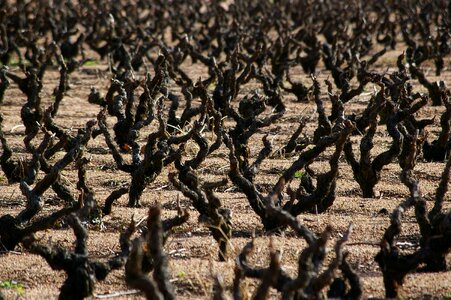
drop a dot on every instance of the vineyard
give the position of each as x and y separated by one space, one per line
289 149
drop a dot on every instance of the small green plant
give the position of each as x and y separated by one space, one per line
91 62
12 284
181 274
298 174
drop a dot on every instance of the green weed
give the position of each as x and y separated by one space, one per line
14 285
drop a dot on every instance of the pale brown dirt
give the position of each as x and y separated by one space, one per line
191 250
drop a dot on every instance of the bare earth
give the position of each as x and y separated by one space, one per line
191 250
